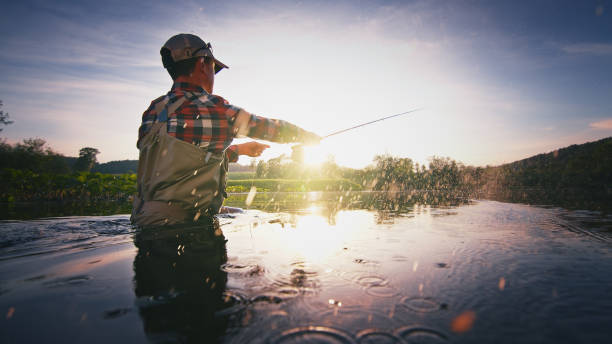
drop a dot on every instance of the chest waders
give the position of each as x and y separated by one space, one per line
178 182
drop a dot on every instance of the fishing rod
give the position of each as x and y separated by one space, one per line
374 121
298 152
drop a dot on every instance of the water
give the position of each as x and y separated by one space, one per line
310 268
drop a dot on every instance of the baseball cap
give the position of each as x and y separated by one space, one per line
185 46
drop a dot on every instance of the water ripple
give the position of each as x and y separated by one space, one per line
313 334
421 335
376 336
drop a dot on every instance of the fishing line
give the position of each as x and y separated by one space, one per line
374 121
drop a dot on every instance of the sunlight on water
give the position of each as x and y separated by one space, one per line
320 269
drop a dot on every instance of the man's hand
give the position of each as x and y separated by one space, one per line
252 149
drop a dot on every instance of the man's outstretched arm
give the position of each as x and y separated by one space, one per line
274 130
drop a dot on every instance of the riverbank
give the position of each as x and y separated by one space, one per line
27 186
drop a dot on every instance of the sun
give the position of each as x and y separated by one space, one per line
315 155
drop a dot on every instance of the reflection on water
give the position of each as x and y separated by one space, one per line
179 284
315 267
387 205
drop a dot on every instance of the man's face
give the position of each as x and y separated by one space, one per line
207 67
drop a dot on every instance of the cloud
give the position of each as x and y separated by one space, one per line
588 48
605 124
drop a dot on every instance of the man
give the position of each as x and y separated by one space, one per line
185 136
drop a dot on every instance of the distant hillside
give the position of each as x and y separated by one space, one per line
578 176
588 165
131 166
117 167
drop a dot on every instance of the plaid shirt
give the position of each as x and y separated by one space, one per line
207 120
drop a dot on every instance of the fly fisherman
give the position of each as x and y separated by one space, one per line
185 139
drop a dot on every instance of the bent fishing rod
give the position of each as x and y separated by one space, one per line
374 121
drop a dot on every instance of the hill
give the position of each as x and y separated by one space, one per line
587 165
117 167
578 176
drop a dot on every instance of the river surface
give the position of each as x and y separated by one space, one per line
314 268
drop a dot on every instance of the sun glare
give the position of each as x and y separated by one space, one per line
316 155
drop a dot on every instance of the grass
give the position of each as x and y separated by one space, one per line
240 175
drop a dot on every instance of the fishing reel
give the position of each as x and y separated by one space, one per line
297 154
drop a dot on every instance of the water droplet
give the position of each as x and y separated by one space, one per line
463 322
415 266
195 205
169 203
502 283
157 174
164 152
185 125
10 312
335 302
193 191
251 196
195 172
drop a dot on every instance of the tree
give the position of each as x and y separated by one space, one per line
4 117
32 146
87 159
33 155
261 170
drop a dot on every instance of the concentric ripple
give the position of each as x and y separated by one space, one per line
312 334
243 269
372 281
383 290
376 336
421 304
421 335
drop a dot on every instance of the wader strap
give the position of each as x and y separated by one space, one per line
163 109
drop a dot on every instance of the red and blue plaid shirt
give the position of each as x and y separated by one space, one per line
207 120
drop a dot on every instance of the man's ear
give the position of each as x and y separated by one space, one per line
200 64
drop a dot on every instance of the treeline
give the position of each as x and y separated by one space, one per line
585 166
575 177
388 173
31 171
35 156
392 174
25 185
117 167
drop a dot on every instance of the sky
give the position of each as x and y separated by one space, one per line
498 81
